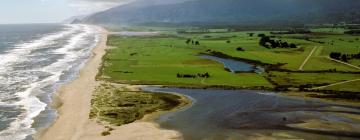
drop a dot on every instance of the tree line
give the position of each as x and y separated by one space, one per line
352 32
269 43
198 75
294 31
344 57
193 42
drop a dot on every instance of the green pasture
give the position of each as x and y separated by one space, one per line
157 59
154 60
328 30
296 79
351 86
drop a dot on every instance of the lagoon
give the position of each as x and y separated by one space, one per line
246 114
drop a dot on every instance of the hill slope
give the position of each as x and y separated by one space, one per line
232 12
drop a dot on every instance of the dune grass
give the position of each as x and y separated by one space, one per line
118 105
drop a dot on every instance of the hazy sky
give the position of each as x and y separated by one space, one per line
45 11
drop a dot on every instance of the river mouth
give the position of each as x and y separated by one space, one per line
245 114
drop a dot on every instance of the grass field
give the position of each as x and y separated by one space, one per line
351 86
329 30
284 78
158 59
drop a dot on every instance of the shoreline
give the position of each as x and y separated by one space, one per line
257 88
72 102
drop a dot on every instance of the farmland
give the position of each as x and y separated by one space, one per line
157 59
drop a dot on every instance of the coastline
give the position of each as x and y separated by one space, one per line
73 105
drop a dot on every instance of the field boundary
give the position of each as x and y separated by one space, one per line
344 63
339 83
307 58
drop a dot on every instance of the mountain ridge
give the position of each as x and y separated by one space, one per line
232 12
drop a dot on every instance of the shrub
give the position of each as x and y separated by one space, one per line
105 133
240 49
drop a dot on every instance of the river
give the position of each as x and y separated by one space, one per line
246 114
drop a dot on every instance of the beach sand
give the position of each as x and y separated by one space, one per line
73 121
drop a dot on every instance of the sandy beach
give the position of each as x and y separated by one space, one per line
73 121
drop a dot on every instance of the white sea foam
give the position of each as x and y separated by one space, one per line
76 47
14 55
21 127
75 41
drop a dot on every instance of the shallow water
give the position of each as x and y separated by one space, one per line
234 65
244 114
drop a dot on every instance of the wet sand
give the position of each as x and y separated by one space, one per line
73 121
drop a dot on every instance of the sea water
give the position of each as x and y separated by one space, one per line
36 59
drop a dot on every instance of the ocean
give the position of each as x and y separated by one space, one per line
35 60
